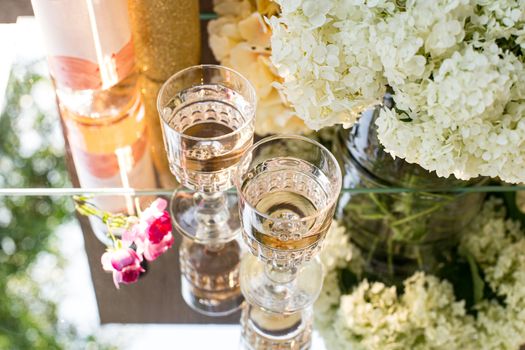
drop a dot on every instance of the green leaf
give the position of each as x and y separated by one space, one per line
513 212
477 282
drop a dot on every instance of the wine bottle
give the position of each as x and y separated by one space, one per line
91 62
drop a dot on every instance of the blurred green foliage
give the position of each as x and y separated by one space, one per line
31 155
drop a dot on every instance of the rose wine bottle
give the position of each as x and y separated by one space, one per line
91 61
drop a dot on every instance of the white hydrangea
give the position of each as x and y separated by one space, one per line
435 315
240 39
321 49
455 129
455 67
498 245
499 327
412 43
336 253
427 315
501 19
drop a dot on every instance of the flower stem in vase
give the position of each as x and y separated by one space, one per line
398 233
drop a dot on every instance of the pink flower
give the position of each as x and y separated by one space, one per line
124 263
152 233
132 234
153 250
155 210
159 228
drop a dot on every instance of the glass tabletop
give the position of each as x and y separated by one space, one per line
52 287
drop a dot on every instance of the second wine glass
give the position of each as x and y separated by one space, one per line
288 187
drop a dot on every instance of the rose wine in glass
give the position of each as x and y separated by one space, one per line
207 115
284 192
288 187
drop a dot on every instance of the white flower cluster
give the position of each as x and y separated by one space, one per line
240 39
321 49
337 252
498 245
427 314
456 69
502 19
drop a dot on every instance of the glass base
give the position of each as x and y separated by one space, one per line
210 277
215 304
261 289
264 330
204 218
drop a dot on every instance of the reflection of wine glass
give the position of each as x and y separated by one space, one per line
210 277
262 329
288 187
207 115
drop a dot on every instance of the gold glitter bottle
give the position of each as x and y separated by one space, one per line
166 37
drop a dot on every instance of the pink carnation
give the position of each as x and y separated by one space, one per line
152 234
124 263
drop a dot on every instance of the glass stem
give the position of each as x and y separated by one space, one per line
214 247
281 280
280 275
212 214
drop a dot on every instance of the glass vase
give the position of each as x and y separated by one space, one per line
398 232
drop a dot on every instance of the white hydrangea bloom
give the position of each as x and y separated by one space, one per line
240 39
427 314
412 42
455 130
500 19
498 327
435 314
498 245
456 69
336 253
321 49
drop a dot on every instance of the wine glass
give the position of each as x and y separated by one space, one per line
287 187
207 115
